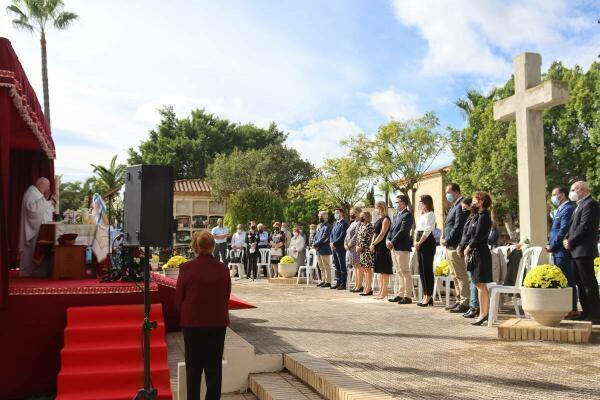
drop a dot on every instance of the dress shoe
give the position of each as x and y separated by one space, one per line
405 300
357 290
342 287
326 285
480 321
395 299
460 309
334 287
452 307
428 304
367 294
472 313
320 284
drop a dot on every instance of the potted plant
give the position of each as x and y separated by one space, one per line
154 262
443 269
171 268
597 267
287 267
545 295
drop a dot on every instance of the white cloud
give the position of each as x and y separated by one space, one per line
480 37
320 140
395 105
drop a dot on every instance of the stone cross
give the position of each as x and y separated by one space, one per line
530 99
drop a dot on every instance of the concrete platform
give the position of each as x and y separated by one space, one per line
527 329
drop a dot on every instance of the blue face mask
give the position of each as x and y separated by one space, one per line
555 200
450 197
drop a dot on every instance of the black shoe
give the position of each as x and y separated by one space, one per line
395 299
428 304
357 290
480 321
460 309
320 284
334 287
367 294
405 300
326 285
472 313
341 287
452 307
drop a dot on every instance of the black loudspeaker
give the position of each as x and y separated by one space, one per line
148 206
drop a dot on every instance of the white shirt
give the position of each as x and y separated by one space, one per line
426 223
35 211
220 231
297 244
238 240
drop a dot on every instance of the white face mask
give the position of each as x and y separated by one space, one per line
337 216
573 196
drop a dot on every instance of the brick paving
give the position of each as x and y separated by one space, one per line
411 352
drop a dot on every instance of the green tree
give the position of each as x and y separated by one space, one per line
274 168
38 16
260 205
340 182
71 196
191 144
299 209
109 177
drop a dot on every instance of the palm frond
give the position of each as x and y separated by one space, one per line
22 24
14 8
64 19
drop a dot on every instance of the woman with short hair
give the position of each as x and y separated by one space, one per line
425 247
382 260
479 255
202 298
298 246
352 256
277 243
363 244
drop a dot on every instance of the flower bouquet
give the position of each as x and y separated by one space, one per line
443 269
596 266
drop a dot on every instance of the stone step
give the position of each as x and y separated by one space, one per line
327 380
280 386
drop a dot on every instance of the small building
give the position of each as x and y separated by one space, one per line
194 209
434 184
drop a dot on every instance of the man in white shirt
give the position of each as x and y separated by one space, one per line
36 209
220 233
238 242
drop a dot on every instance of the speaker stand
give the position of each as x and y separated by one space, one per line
148 392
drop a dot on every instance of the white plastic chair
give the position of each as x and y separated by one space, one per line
264 261
237 254
440 280
310 267
529 259
414 263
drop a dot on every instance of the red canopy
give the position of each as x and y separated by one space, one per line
26 153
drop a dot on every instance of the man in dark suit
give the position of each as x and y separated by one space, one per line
338 235
321 244
453 229
558 232
582 243
400 242
202 299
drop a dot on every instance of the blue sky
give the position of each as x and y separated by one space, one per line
322 70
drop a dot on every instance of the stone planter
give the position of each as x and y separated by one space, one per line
287 270
547 306
172 272
154 266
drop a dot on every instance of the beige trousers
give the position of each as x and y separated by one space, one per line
325 267
401 261
461 281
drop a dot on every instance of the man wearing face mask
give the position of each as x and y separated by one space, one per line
581 241
399 241
220 233
453 229
321 244
338 234
558 231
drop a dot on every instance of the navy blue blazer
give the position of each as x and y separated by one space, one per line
583 230
560 228
455 222
399 233
321 242
338 233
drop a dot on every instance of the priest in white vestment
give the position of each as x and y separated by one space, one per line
36 209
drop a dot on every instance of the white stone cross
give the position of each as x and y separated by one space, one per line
526 106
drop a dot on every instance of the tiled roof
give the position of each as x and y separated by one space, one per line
192 186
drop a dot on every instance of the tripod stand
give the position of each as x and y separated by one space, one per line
148 392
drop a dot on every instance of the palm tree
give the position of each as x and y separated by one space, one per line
109 177
36 16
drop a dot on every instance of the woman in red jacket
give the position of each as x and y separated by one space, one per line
202 297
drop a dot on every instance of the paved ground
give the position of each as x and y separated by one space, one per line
412 352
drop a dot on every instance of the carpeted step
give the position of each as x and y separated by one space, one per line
102 356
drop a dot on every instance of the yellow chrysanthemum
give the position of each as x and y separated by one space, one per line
545 276
443 268
175 262
287 260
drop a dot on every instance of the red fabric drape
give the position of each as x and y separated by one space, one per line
26 152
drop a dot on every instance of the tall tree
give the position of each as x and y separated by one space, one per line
72 196
191 144
259 205
274 168
38 16
109 177
340 182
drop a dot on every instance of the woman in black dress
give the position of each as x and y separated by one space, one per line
479 255
252 240
383 258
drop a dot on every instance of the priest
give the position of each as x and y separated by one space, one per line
36 209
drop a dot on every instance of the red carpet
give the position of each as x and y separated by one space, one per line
102 357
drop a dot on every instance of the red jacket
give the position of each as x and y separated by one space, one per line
202 295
